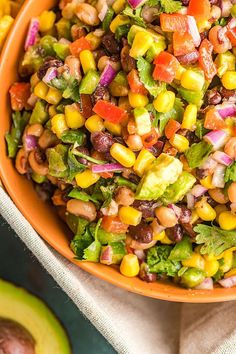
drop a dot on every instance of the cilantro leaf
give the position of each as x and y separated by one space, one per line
152 3
158 262
74 165
107 193
170 6
57 161
80 242
213 239
200 130
230 173
135 15
77 194
197 153
73 136
92 252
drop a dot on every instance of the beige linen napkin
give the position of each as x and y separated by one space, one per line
131 323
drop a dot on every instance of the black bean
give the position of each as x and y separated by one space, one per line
102 142
227 93
101 93
211 201
185 2
175 233
40 156
188 228
146 275
157 148
142 232
185 215
48 63
110 43
213 97
146 207
127 62
201 173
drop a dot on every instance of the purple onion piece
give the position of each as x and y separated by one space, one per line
218 176
176 209
222 158
136 3
225 111
193 31
50 75
106 255
217 138
110 167
32 33
198 190
107 76
30 142
207 284
190 201
228 282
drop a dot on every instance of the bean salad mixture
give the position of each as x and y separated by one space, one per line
125 120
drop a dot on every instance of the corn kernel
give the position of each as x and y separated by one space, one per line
143 161
166 241
113 128
190 117
53 96
94 41
207 182
94 124
142 42
228 261
219 209
230 273
74 118
227 220
192 80
195 261
59 124
179 72
5 25
229 80
46 20
159 236
118 21
137 100
203 25
194 217
41 90
34 80
129 265
211 267
123 155
205 210
179 142
86 179
210 257
164 101
129 215
87 60
52 111
119 6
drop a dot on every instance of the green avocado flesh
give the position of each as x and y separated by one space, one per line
18 305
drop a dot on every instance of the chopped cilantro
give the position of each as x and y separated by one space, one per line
196 154
158 262
170 6
135 15
230 173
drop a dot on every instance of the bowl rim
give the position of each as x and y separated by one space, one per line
136 286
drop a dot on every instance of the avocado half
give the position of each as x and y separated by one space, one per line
19 306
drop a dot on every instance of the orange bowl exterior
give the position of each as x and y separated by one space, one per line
42 216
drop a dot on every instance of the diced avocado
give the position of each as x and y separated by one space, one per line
46 43
163 171
57 161
118 251
155 49
182 250
194 97
63 27
28 315
89 82
225 62
176 191
62 50
106 237
39 114
135 29
142 120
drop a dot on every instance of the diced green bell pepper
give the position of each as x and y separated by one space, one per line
142 120
39 114
89 82
107 20
135 29
62 50
47 42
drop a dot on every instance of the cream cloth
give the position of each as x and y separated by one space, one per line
131 323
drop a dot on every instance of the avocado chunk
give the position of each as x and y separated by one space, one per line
156 36
35 320
176 191
163 171
182 250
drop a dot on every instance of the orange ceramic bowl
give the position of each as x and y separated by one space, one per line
42 216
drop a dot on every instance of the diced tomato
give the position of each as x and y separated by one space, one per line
20 93
150 139
135 84
113 224
166 66
106 174
110 112
174 22
171 128
182 43
200 9
231 34
213 120
234 130
80 44
205 59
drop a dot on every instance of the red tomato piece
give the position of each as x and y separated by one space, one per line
150 139
80 44
213 120
174 22
110 112
205 59
182 43
106 174
20 93
135 84
231 34
166 66
113 224
200 9
171 128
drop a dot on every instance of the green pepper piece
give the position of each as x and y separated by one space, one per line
63 27
192 277
73 136
107 20
194 97
182 250
46 43
38 178
121 181
62 50
105 237
89 82
57 160
155 49
122 31
39 114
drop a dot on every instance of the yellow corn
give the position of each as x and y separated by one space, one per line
164 101
230 273
129 215
34 80
205 210
5 25
123 155
203 25
194 217
192 80
53 96
46 20
129 265
144 159
195 261
74 118
207 182
113 128
179 142
219 209
59 124
118 21
179 72
227 220
87 60
159 236
5 8
94 41
137 100
211 267
228 261
52 111
190 117
86 179
142 42
94 124
166 241
119 6
229 80
41 90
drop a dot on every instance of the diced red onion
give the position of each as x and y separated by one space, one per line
209 164
109 167
221 35
177 210
136 3
103 11
225 6
198 190
190 58
107 76
50 75
141 245
207 284
222 158
30 142
190 201
228 282
217 138
228 110
32 100
218 176
140 254
106 255
193 31
32 33
232 23
233 208
64 41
